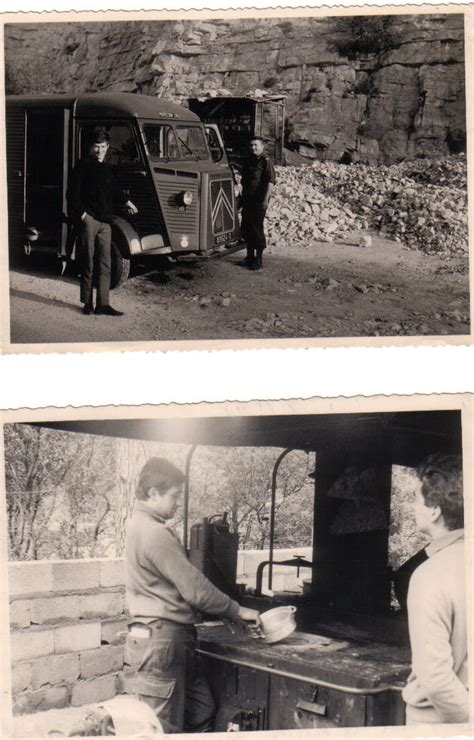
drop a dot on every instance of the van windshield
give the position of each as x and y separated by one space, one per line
164 142
192 143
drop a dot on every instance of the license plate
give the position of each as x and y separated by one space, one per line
222 238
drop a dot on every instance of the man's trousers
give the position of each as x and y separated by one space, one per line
252 228
168 676
96 239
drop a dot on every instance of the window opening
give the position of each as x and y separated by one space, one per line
123 151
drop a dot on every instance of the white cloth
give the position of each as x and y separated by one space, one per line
132 717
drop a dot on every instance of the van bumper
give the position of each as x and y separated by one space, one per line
221 251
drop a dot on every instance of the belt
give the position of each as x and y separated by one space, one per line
159 623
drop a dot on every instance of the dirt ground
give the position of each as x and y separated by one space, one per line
316 291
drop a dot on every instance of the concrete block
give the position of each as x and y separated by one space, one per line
21 677
110 631
77 637
108 604
41 700
31 644
55 608
106 659
75 575
29 577
20 613
126 682
54 670
93 690
112 573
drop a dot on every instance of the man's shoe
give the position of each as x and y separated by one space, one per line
88 308
107 311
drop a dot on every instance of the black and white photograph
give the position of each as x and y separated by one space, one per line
298 175
287 566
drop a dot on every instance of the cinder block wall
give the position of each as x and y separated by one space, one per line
66 620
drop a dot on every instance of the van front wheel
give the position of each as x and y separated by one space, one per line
120 267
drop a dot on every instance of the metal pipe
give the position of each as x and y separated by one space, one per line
187 467
298 677
297 562
272 515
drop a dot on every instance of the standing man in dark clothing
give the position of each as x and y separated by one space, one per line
258 179
165 593
91 197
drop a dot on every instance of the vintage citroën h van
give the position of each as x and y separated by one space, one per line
182 185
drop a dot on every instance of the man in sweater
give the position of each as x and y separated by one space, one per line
165 592
91 197
437 688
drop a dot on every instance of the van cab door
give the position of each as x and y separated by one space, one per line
216 144
46 173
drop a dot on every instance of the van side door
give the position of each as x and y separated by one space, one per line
216 144
46 172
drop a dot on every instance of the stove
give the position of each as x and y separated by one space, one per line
305 681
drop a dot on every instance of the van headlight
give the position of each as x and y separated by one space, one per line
184 242
185 198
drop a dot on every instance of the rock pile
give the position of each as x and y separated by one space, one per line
422 204
303 211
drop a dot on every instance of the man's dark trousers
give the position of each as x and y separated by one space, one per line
253 216
95 235
168 676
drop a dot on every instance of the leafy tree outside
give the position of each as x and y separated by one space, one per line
69 495
60 493
404 539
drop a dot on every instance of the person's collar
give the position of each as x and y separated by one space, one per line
143 506
439 543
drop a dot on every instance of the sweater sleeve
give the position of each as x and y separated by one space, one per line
168 558
429 622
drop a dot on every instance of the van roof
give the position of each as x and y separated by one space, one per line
110 104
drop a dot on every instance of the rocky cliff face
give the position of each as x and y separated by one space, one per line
373 89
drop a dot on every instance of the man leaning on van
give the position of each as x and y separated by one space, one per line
92 193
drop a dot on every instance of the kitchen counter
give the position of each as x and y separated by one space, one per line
344 663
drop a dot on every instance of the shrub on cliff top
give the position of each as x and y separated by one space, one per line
365 35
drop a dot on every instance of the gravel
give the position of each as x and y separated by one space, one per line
422 204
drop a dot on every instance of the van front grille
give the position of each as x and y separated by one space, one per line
179 218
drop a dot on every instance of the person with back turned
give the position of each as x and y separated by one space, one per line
92 194
437 688
258 179
165 592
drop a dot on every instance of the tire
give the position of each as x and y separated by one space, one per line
120 267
